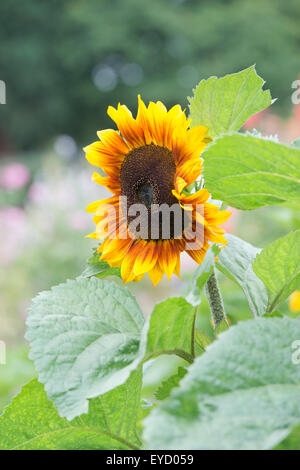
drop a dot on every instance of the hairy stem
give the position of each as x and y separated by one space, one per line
215 300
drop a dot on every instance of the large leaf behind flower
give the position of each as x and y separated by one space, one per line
278 266
248 172
83 334
224 104
32 421
242 393
235 261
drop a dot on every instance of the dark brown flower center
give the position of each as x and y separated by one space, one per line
147 178
147 175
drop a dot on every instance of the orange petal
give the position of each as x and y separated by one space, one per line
101 155
114 250
199 197
214 215
127 268
180 184
92 235
190 144
168 254
92 208
215 235
128 126
156 274
190 170
138 278
112 140
198 255
146 259
176 120
177 268
107 226
143 121
112 184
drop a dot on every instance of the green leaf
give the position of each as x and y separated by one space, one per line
167 386
223 326
248 172
86 339
201 342
242 393
83 334
274 314
201 276
32 422
170 329
224 105
291 442
99 268
235 261
278 266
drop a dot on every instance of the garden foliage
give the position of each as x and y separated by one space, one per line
90 343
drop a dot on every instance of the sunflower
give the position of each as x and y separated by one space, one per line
151 161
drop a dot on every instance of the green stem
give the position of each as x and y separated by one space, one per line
215 300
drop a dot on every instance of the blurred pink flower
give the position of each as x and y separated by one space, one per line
296 112
14 176
12 234
269 123
12 218
272 124
38 192
254 120
79 221
292 125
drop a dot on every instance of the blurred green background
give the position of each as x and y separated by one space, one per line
63 63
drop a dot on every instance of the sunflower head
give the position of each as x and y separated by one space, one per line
151 217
